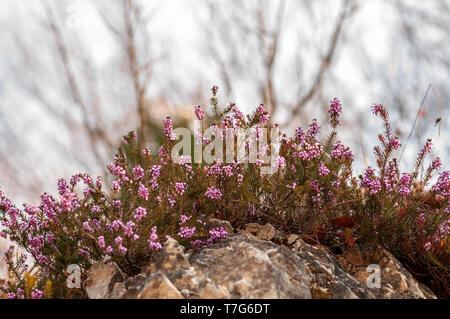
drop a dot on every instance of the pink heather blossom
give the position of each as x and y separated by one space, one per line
264 117
117 224
405 179
99 182
300 135
129 228
43 260
377 109
425 149
116 186
315 186
214 89
116 203
293 186
281 162
143 191
180 187
199 113
371 182
88 227
140 213
436 164
196 243
101 242
213 193
314 128
337 183
96 209
122 249
395 143
146 151
168 130
184 219
10 295
20 293
109 250
342 152
186 232
335 110
138 172
218 233
118 240
404 191
442 185
323 170
153 240
228 170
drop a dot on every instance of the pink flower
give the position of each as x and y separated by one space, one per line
213 193
168 130
323 170
146 151
140 213
395 143
153 240
184 219
214 89
143 191
199 113
436 164
179 188
335 111
101 242
186 232
122 249
377 109
138 172
118 240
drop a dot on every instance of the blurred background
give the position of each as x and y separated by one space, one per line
77 75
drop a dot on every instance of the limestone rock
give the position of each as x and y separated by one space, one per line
102 279
244 266
266 232
159 287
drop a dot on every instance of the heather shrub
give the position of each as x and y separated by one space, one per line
312 191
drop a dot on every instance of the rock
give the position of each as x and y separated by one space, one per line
318 292
266 232
101 279
244 266
211 291
253 228
159 287
118 291
268 270
341 291
355 257
396 281
292 238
